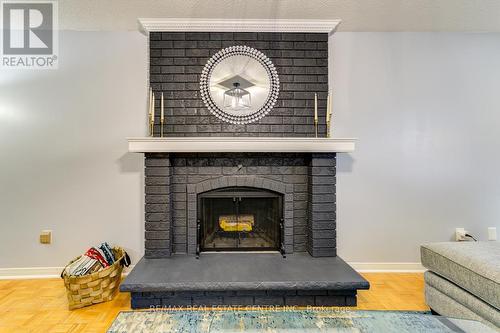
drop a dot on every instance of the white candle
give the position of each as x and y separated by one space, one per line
331 107
328 108
153 109
162 109
150 102
315 107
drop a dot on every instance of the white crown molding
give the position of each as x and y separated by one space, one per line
147 25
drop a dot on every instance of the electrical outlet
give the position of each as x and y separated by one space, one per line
492 234
460 234
46 237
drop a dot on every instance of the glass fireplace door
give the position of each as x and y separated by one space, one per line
239 219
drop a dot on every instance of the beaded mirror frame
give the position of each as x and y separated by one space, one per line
231 116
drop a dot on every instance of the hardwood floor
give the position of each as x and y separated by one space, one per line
40 305
394 291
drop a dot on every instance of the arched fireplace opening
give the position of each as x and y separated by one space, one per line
240 219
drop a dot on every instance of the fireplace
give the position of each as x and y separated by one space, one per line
240 200
240 219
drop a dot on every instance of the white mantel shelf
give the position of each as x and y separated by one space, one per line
240 144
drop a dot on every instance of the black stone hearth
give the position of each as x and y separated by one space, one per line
243 279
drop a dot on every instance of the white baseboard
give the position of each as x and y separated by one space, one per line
30 273
55 272
38 272
388 267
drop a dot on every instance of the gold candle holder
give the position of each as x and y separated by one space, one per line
316 115
150 110
328 114
153 115
162 115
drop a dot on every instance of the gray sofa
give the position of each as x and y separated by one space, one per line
463 280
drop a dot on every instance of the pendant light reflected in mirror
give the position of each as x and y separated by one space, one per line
237 98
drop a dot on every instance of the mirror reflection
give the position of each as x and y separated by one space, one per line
239 85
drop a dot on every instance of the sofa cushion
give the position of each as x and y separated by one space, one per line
448 299
474 266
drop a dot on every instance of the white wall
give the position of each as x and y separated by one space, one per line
379 15
424 106
63 154
426 110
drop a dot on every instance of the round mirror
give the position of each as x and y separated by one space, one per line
239 85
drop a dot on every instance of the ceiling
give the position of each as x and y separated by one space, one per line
356 15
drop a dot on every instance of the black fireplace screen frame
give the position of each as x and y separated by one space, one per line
236 194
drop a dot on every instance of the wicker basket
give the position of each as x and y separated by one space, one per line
97 287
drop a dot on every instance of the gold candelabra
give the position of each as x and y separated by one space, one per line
328 114
162 115
151 114
315 115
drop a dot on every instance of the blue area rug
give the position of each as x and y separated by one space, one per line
162 321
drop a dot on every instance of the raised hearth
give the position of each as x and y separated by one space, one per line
243 279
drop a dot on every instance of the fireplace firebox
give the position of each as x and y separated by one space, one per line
240 219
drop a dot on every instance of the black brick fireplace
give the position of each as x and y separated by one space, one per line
174 182
235 224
